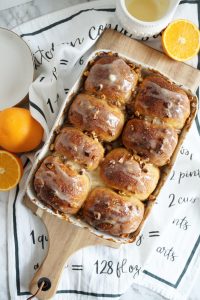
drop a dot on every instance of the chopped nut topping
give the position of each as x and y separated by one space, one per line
121 160
86 73
99 87
152 198
122 193
49 166
91 62
193 104
137 113
96 114
154 121
97 215
57 130
103 96
117 103
51 147
93 133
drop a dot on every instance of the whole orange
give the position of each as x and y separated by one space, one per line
19 131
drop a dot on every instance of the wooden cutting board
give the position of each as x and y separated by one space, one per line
65 238
178 71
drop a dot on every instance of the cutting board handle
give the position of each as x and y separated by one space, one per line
64 240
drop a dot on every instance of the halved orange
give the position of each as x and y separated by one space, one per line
11 170
181 40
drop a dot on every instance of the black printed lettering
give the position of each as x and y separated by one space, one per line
182 223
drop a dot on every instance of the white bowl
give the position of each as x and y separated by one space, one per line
140 29
16 69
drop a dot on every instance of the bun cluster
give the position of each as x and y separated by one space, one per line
106 160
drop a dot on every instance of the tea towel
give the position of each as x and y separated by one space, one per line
166 255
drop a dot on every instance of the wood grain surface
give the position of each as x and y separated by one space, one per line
64 240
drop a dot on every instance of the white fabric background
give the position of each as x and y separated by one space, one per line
143 264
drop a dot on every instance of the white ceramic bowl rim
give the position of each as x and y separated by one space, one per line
17 68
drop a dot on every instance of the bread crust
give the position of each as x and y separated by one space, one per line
112 78
153 141
77 146
121 171
96 116
59 186
112 213
158 98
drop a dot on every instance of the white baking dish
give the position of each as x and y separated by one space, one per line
59 122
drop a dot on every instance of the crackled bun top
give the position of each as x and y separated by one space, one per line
158 98
109 212
121 171
113 78
154 141
95 115
60 186
77 146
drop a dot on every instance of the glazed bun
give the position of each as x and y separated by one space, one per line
59 186
95 115
111 213
111 77
77 146
158 98
121 171
156 142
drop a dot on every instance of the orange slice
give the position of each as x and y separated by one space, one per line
10 170
181 40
